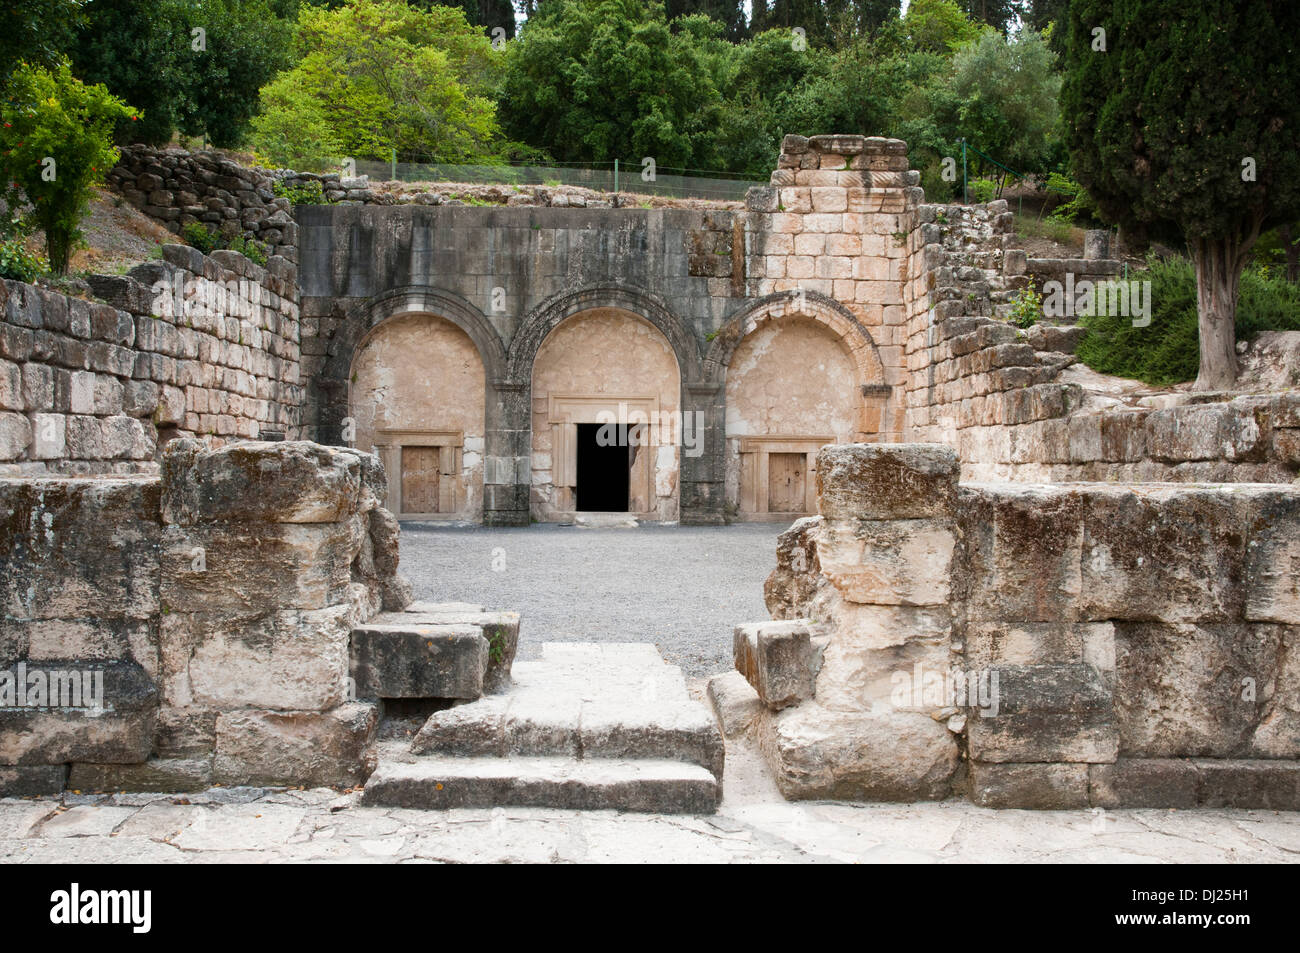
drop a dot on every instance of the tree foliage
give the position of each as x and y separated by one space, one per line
1186 126
55 147
377 76
37 31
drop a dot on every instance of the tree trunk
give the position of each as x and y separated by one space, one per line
1219 263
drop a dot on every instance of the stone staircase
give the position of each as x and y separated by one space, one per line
585 726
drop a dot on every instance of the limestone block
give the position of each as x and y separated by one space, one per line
866 668
735 704
282 660
866 756
78 549
889 562
886 481
779 659
500 630
418 661
1170 554
122 731
1278 732
248 567
1022 547
15 435
1187 690
1052 712
32 780
1046 787
791 586
157 774
276 482
312 748
1039 643
185 733
1202 432
1272 567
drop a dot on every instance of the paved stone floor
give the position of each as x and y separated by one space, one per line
754 825
684 588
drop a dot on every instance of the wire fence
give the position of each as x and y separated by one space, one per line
604 177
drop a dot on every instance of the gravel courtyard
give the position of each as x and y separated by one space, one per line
684 588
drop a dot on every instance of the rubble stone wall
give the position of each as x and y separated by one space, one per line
190 345
176 188
215 600
1044 646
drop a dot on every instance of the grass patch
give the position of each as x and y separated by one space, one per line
1063 233
1168 351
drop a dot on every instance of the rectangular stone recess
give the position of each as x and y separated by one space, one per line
418 661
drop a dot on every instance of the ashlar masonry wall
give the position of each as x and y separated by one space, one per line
216 603
190 345
1045 646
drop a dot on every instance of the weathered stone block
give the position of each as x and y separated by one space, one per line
330 748
1060 712
868 756
281 482
289 660
418 661
886 481
889 562
1045 787
156 774
779 660
500 630
36 780
735 704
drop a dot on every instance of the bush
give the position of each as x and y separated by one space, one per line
982 190
17 263
1168 350
207 241
1077 206
55 148
1026 308
310 193
201 237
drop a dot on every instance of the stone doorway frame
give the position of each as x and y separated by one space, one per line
564 412
754 453
451 488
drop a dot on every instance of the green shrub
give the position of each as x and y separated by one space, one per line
1026 308
201 237
311 193
1167 351
982 190
1077 206
17 263
250 249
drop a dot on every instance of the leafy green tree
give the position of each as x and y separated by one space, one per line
1002 97
938 26
999 14
1185 126
377 76
55 147
245 44
139 50
38 31
727 12
487 14
595 80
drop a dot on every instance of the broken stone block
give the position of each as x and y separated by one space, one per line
248 568
886 481
122 731
156 774
291 660
861 756
275 482
735 704
418 661
779 659
1044 787
79 548
889 562
500 629
329 749
794 584
1044 713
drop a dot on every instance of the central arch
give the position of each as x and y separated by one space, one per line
606 400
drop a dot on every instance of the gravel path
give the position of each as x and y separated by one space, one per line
684 588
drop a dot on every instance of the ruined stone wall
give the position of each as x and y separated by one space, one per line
217 602
1031 645
177 187
191 345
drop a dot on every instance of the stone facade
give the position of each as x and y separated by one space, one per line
191 345
217 600
1031 645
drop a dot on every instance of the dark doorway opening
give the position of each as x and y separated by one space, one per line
604 472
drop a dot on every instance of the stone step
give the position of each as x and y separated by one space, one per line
586 726
434 650
438 783
599 700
